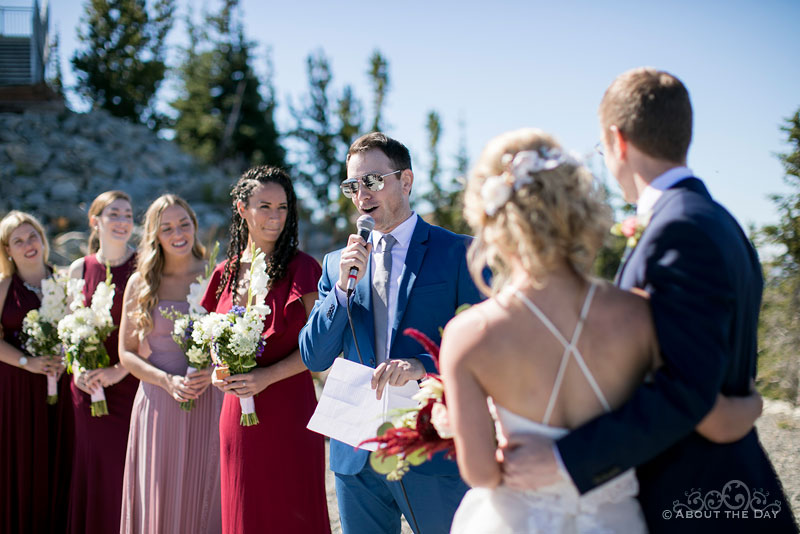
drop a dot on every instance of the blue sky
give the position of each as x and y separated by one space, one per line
509 64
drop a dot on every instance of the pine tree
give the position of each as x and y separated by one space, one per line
121 63
446 198
779 328
55 78
787 231
325 128
225 113
379 78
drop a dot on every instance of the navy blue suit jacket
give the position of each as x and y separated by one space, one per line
705 282
435 282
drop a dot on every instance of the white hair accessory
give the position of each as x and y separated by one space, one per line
497 190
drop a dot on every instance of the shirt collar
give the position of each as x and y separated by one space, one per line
402 233
654 190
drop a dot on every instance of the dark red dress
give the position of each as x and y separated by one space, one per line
101 442
273 473
35 438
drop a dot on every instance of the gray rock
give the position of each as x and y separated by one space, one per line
64 190
28 158
106 167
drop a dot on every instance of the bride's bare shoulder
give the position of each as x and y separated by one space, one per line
624 309
469 334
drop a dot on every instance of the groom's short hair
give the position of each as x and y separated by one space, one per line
652 110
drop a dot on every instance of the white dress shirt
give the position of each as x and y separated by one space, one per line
654 190
402 235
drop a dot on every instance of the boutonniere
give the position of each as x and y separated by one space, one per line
631 227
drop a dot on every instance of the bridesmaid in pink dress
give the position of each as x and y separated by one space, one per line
273 473
172 468
35 438
101 442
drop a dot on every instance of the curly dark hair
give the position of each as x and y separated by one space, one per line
285 248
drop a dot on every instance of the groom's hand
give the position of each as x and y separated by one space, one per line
529 462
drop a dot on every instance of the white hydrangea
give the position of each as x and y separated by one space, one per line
80 325
209 327
180 324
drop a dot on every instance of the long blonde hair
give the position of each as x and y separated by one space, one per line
96 209
552 216
11 222
150 265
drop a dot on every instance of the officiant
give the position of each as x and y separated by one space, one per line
409 274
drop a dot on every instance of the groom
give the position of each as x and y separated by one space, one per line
704 281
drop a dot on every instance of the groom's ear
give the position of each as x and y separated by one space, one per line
620 143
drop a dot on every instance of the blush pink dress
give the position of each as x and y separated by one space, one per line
171 481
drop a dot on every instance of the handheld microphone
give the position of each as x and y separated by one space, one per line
364 225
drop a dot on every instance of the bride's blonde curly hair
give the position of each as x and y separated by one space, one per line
150 264
551 216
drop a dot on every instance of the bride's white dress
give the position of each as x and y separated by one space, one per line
556 509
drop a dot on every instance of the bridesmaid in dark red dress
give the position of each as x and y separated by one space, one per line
273 473
35 438
101 442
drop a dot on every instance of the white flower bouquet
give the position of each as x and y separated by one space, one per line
83 332
198 356
40 326
234 338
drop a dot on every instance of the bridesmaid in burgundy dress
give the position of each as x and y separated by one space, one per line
273 473
172 467
35 438
101 442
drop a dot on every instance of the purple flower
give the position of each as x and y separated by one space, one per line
238 310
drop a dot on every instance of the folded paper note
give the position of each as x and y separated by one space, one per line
348 410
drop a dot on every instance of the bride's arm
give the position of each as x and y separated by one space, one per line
467 410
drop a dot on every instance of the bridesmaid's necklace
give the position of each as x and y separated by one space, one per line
33 289
113 262
36 290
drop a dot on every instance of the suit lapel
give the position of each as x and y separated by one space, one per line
413 263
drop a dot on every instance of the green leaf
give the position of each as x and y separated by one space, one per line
382 465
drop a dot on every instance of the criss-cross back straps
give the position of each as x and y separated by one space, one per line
569 348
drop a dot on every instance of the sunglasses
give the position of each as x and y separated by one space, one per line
372 181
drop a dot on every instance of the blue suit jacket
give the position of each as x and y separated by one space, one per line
435 281
705 283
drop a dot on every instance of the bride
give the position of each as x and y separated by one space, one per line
552 348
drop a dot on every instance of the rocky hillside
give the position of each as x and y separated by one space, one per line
54 164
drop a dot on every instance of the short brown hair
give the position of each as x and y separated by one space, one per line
393 149
652 110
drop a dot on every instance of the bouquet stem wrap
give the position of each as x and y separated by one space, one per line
99 405
189 404
52 389
249 417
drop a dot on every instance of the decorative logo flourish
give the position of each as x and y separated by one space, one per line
736 500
